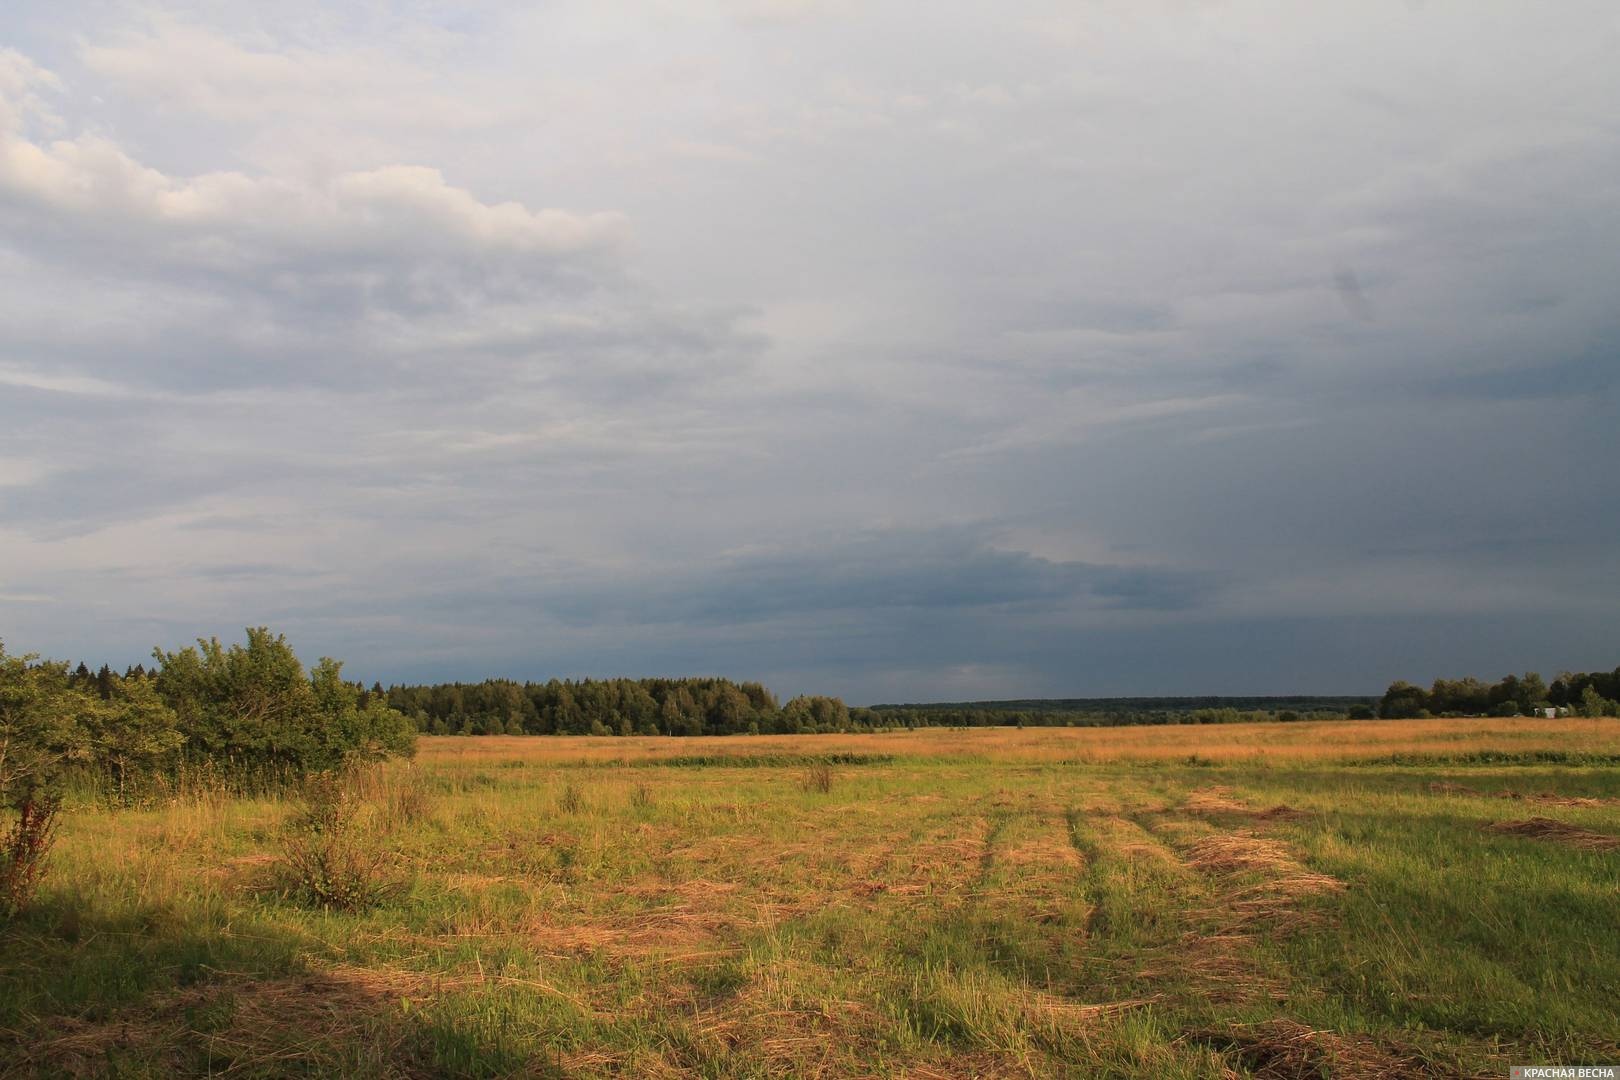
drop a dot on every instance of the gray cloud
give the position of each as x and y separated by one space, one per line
1063 349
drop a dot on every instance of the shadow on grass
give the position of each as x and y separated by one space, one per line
158 992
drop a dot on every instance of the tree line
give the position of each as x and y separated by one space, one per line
1122 711
1578 693
697 706
715 706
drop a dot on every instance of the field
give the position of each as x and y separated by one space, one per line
1389 899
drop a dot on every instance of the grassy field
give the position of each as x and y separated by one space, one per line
1288 900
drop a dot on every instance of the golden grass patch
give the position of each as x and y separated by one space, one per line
1326 740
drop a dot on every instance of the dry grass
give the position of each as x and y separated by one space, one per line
1308 741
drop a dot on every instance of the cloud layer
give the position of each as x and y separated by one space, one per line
1048 349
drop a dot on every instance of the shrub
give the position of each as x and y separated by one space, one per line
22 852
255 710
327 851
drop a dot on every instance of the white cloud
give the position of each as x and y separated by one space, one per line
220 219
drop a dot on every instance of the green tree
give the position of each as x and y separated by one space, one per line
252 709
132 733
1532 693
1402 701
41 727
1594 704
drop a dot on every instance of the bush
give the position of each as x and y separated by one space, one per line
326 849
254 709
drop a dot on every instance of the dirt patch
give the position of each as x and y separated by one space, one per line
1540 828
1285 1050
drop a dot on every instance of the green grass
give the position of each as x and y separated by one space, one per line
925 916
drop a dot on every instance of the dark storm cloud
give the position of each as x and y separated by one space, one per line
943 573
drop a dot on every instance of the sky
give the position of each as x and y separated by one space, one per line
898 352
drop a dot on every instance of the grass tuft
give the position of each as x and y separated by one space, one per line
817 778
330 847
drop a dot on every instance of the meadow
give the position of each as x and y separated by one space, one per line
1388 898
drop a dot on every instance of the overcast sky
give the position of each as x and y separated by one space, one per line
899 351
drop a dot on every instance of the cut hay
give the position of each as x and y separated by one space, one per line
1041 853
1218 802
1214 801
1230 853
1286 1050
1445 787
1545 798
1273 900
1540 828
